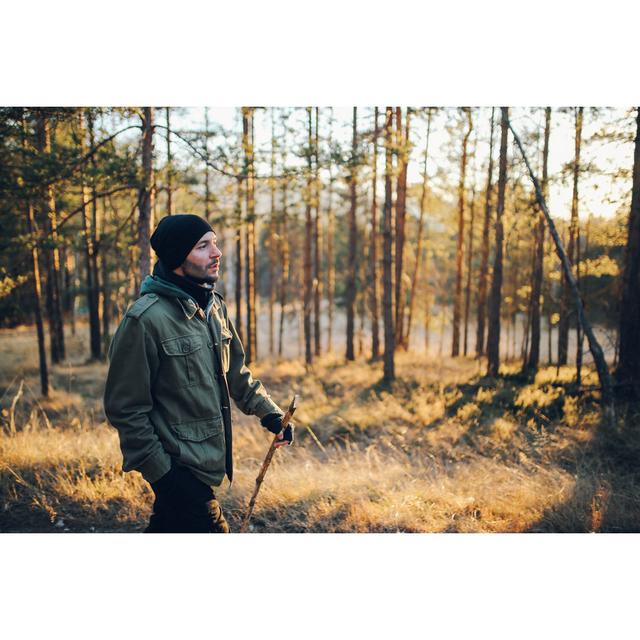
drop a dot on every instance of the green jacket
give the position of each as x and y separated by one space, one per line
172 369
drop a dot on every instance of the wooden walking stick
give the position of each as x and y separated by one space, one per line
286 418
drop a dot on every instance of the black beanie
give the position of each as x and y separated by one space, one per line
176 235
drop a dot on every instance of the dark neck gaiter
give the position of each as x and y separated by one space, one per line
200 293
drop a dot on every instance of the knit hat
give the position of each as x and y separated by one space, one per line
176 235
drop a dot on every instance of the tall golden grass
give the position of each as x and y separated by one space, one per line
442 450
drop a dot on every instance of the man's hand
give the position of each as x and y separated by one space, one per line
273 423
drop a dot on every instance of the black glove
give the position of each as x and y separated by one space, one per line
273 422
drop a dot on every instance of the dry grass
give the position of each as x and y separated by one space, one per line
443 449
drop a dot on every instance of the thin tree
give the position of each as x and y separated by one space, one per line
272 237
493 339
419 249
317 282
169 168
604 376
373 250
402 151
52 256
467 291
628 369
251 343
89 249
566 309
484 260
387 254
331 269
284 239
351 269
538 264
457 302
308 236
145 196
32 228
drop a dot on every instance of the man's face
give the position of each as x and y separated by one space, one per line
204 259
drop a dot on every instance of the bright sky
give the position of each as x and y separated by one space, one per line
599 194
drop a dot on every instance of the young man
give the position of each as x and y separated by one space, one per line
175 362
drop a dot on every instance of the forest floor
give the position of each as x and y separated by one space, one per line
444 449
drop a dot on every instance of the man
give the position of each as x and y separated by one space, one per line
174 363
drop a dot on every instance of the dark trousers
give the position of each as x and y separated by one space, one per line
189 506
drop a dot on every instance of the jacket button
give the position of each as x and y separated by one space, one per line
209 345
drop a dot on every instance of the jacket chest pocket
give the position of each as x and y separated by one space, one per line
183 360
225 350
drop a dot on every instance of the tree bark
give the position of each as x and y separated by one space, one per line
271 242
484 261
32 228
146 196
373 251
317 282
493 339
467 293
402 144
169 164
457 303
251 343
594 346
628 369
52 256
416 267
331 270
239 261
351 275
566 311
308 236
538 265
387 255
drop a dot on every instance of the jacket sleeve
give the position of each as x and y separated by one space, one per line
133 363
249 394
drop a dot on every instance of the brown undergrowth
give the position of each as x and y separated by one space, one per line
443 449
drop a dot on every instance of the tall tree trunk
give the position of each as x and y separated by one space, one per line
538 265
146 196
207 190
32 228
251 343
484 260
373 251
239 251
416 267
317 282
169 165
52 262
284 252
284 239
566 309
467 292
493 339
387 254
93 249
308 356
628 369
604 377
351 275
106 288
402 141
331 269
457 302
271 243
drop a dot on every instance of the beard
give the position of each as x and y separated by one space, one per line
198 274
